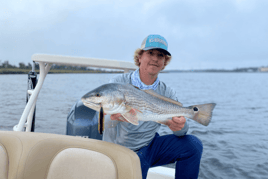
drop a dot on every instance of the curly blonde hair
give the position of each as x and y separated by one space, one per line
139 52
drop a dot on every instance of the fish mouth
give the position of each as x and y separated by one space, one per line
90 103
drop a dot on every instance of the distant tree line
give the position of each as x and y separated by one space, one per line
23 66
249 69
73 68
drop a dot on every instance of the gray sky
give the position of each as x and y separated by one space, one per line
201 34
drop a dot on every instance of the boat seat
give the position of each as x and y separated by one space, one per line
3 162
27 155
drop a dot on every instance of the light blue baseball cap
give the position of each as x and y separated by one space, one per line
155 42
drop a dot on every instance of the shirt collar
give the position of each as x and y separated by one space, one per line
136 81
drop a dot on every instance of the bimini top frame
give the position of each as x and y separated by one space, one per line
45 63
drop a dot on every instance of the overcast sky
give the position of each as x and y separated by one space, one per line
201 34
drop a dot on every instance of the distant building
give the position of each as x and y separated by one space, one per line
263 69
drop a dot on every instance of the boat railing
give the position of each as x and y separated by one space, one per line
45 62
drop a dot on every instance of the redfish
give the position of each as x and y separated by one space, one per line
143 105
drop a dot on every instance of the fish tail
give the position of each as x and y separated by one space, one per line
203 113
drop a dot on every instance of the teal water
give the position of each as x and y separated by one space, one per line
235 142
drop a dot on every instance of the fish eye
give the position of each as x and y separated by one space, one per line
98 95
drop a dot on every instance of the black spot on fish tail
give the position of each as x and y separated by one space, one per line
195 109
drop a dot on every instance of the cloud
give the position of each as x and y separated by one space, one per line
198 31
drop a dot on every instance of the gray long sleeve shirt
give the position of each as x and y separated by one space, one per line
136 137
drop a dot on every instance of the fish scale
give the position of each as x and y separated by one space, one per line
151 107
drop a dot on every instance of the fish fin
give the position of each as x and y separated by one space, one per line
128 108
132 116
203 113
153 93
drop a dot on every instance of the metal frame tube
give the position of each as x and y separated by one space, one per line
44 68
30 118
45 63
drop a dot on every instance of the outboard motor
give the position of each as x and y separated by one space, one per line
83 121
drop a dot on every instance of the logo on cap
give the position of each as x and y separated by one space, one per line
158 40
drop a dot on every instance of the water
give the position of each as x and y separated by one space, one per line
235 142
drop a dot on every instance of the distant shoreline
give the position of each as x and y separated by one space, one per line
10 71
79 72
7 71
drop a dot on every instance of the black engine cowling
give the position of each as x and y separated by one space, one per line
83 121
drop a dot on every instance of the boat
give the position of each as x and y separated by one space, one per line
80 153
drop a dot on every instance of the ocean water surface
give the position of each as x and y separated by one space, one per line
235 142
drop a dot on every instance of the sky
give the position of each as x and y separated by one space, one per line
201 34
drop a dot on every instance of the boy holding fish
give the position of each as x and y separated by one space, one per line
141 112
155 150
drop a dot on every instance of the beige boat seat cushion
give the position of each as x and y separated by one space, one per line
26 155
3 162
80 163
